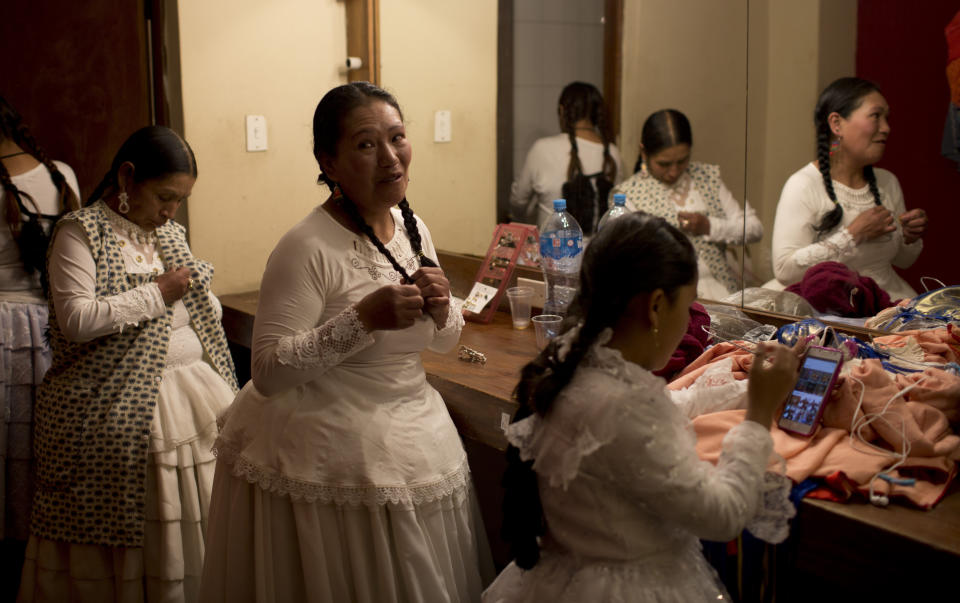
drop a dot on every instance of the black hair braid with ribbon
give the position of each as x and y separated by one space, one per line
410 225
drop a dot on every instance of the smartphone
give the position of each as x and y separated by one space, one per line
804 407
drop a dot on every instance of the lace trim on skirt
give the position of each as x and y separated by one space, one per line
453 483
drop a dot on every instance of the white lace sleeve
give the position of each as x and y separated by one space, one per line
771 522
73 282
657 464
326 345
715 390
131 307
447 336
836 248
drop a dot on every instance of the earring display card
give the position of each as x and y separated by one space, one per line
508 244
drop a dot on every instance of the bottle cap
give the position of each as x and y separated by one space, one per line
619 199
559 205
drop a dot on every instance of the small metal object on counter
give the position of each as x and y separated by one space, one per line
470 355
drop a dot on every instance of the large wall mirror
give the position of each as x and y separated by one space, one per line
747 73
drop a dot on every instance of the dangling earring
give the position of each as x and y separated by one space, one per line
656 338
124 206
835 146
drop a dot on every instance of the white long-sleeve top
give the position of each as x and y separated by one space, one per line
38 184
545 171
796 246
334 412
83 316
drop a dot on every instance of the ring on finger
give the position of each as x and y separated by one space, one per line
191 284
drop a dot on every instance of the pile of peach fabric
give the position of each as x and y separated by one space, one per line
930 413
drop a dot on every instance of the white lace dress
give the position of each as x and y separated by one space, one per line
340 475
625 496
180 463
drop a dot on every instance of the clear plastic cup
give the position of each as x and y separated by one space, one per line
547 327
520 298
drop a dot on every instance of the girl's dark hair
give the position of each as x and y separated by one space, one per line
656 256
663 129
328 119
31 237
843 96
580 100
155 152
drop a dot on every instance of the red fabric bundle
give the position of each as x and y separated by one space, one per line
832 288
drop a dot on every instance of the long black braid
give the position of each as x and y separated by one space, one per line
580 100
843 97
328 118
659 257
409 223
32 236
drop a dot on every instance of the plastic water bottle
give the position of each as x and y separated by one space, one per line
618 209
561 249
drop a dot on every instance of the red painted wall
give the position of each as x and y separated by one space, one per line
901 46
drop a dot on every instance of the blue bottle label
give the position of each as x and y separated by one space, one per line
556 246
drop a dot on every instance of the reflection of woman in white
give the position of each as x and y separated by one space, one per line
692 197
842 209
584 145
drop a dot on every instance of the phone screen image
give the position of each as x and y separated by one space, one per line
804 405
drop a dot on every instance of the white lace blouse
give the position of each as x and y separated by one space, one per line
335 413
619 475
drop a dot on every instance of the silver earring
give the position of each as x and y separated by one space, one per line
124 206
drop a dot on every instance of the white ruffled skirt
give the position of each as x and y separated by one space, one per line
676 577
180 472
269 548
24 358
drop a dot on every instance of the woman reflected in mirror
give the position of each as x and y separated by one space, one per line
692 197
580 164
840 207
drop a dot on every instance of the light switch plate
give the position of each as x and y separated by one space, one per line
256 133
442 127
539 290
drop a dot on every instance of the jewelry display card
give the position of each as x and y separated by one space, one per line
509 242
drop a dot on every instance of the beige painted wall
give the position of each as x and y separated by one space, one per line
796 49
277 59
688 55
242 57
443 55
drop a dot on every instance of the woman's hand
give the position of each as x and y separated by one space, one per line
875 222
772 376
174 284
914 223
435 289
693 223
391 307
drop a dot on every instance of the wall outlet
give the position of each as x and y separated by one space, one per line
539 290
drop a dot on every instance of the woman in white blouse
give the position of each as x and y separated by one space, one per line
605 496
126 416
840 208
340 475
691 196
